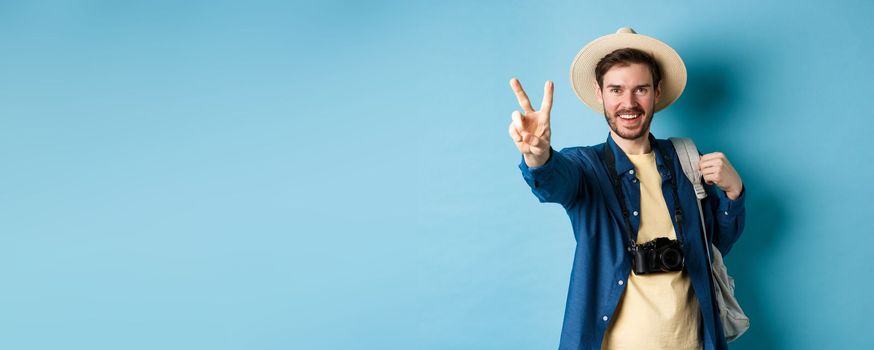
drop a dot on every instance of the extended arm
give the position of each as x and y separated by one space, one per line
559 180
553 176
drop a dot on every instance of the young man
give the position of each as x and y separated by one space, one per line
640 277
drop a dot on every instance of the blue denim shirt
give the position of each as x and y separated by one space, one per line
577 178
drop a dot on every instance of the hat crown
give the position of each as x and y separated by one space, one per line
626 30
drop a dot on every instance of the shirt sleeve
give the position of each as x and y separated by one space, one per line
556 181
729 218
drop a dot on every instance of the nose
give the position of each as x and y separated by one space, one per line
629 100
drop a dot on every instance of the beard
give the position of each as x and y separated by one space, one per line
629 134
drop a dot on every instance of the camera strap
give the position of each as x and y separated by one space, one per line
610 161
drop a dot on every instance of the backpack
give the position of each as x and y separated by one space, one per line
734 321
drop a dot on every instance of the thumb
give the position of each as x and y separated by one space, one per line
537 146
536 143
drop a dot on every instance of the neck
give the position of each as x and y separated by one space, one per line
634 146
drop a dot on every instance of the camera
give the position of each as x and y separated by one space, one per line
659 255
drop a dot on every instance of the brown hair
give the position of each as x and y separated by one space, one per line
625 57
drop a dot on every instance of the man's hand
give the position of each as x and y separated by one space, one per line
530 131
717 170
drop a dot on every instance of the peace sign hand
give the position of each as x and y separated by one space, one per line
530 129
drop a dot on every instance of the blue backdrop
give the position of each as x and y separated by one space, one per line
338 174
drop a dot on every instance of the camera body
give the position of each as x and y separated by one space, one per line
659 255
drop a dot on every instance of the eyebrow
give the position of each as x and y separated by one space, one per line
619 86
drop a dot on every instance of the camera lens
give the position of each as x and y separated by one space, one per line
671 259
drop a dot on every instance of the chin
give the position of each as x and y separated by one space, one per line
641 131
633 136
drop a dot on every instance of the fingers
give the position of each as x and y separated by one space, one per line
710 166
536 144
713 163
715 159
710 170
714 155
514 133
546 105
527 142
525 139
716 169
520 95
708 180
711 175
718 174
517 121
712 160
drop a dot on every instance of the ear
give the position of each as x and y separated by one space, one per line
658 91
597 91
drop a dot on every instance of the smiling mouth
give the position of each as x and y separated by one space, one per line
629 115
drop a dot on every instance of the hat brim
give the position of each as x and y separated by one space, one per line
583 67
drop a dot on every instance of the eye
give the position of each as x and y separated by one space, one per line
641 91
614 90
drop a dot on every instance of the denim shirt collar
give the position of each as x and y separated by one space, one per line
624 165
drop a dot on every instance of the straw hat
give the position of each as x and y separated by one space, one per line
583 67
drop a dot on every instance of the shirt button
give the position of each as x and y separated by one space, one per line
605 318
725 212
635 213
631 171
621 282
634 180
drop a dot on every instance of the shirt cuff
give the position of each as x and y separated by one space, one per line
532 172
731 208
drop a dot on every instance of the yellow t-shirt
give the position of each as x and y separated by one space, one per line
659 310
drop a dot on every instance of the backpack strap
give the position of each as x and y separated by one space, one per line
688 156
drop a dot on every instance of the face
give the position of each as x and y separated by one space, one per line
629 99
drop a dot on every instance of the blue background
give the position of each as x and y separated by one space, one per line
338 174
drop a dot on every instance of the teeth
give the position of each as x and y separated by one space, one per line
628 116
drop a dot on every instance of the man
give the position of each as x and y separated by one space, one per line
625 193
